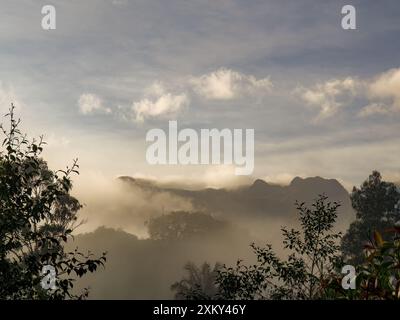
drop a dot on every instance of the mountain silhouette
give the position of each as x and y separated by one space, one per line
260 199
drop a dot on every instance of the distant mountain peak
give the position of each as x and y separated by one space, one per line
259 199
299 180
260 183
127 179
318 184
296 180
138 182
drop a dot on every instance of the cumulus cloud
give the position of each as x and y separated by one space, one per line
90 103
385 89
159 103
226 84
381 93
328 97
222 84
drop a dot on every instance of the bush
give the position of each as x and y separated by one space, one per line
37 217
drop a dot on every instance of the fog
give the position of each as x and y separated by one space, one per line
109 202
116 212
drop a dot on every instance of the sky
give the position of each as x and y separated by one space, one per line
323 101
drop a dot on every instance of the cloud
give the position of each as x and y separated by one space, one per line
222 84
329 96
381 93
282 178
386 90
374 108
8 96
53 140
226 84
222 176
116 204
159 103
90 103
157 88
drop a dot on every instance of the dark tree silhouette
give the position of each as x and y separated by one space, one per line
37 217
314 256
376 205
200 283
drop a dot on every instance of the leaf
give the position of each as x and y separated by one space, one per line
368 247
378 239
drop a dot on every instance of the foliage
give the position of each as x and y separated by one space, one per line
312 269
37 217
314 256
375 205
200 283
179 225
378 277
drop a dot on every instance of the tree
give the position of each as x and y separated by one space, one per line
314 257
180 225
37 217
378 276
375 205
200 283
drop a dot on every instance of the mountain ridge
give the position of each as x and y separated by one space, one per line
259 199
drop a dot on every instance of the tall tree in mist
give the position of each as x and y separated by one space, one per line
37 217
376 205
200 283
